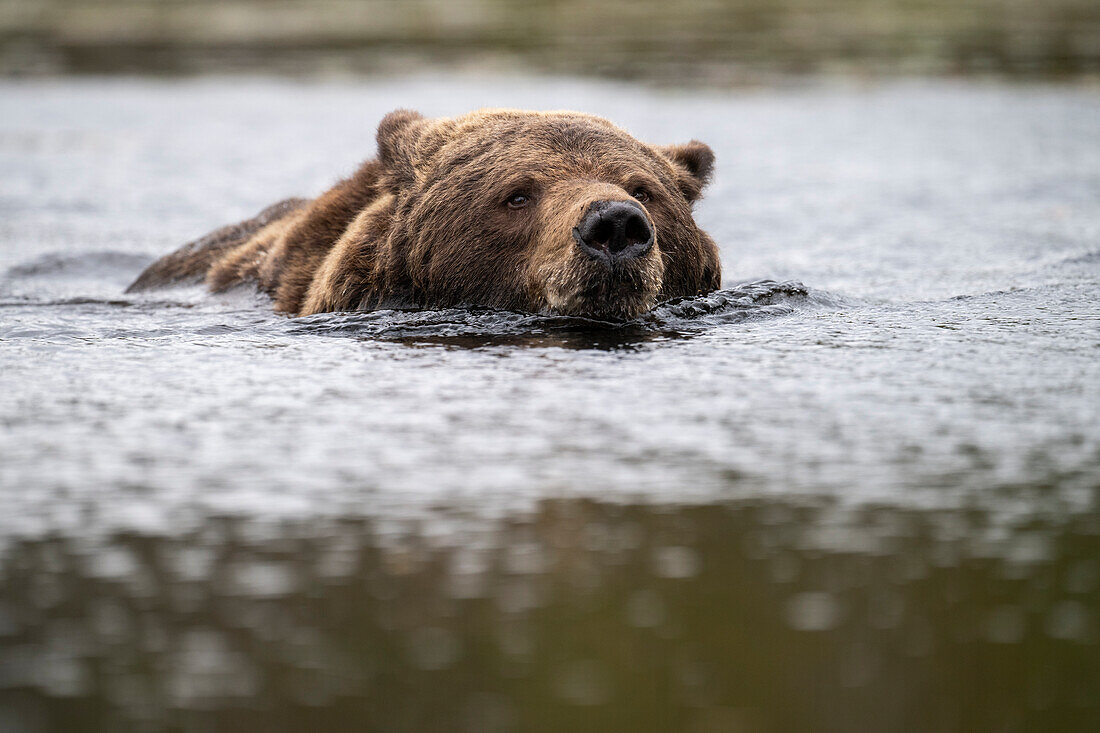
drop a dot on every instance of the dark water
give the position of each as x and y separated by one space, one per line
856 490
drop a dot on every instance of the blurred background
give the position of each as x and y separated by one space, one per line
706 41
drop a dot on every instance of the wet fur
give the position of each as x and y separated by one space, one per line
425 223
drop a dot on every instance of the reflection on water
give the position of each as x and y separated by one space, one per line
752 616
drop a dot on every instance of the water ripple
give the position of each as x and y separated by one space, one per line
752 300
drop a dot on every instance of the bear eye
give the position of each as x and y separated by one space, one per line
641 195
518 200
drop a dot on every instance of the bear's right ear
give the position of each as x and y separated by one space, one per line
398 134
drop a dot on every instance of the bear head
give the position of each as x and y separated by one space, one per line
546 212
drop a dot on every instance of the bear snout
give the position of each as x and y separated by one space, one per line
611 232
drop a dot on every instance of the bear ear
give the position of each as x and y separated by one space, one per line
694 162
398 134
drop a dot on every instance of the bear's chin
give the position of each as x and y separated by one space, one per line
592 290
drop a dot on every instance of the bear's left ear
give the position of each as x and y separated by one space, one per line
398 134
694 162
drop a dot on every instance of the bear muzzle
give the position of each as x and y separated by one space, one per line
598 255
614 232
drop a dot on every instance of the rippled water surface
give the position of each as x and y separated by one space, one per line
854 490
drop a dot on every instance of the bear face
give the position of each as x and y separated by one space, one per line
548 212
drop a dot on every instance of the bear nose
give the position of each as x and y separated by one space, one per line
613 231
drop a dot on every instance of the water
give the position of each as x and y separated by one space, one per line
855 490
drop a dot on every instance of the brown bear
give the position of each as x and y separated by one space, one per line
546 212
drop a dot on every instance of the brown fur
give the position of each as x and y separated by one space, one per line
426 223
